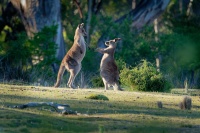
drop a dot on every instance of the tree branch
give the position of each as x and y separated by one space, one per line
60 108
79 8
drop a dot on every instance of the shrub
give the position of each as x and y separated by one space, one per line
20 57
144 77
97 97
97 81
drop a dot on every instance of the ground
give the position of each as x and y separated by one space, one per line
124 111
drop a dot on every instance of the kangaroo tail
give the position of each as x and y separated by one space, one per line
60 74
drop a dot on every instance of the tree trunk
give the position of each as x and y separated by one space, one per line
35 14
145 12
186 85
158 56
189 9
88 21
133 4
158 61
181 6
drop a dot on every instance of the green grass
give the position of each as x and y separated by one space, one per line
97 97
134 112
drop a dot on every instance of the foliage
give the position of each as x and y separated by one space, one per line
143 77
14 56
177 44
135 45
90 62
177 39
97 97
97 81
43 47
25 54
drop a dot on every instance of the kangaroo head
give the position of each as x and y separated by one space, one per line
81 29
112 42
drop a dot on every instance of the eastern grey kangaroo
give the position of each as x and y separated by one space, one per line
73 58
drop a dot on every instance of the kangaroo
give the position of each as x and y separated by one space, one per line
73 58
108 68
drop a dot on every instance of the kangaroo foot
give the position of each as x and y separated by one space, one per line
56 85
118 89
72 86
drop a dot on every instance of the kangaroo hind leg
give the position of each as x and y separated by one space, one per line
73 74
105 84
117 87
60 74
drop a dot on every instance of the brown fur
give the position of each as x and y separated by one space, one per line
108 68
73 58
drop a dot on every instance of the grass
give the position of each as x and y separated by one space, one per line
134 112
192 92
97 97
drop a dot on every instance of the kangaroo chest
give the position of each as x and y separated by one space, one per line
106 60
78 50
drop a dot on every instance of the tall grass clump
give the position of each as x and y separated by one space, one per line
144 77
186 103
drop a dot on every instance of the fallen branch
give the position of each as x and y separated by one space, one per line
60 108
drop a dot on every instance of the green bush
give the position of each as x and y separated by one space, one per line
97 81
97 97
143 77
25 58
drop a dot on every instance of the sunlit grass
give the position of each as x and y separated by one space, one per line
124 112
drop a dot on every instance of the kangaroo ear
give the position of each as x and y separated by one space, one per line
107 42
117 39
81 25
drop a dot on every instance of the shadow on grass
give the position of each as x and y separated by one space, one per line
103 116
104 107
17 120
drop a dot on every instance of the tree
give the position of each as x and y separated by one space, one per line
37 14
144 13
32 17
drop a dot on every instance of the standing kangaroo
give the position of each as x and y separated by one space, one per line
108 68
73 58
